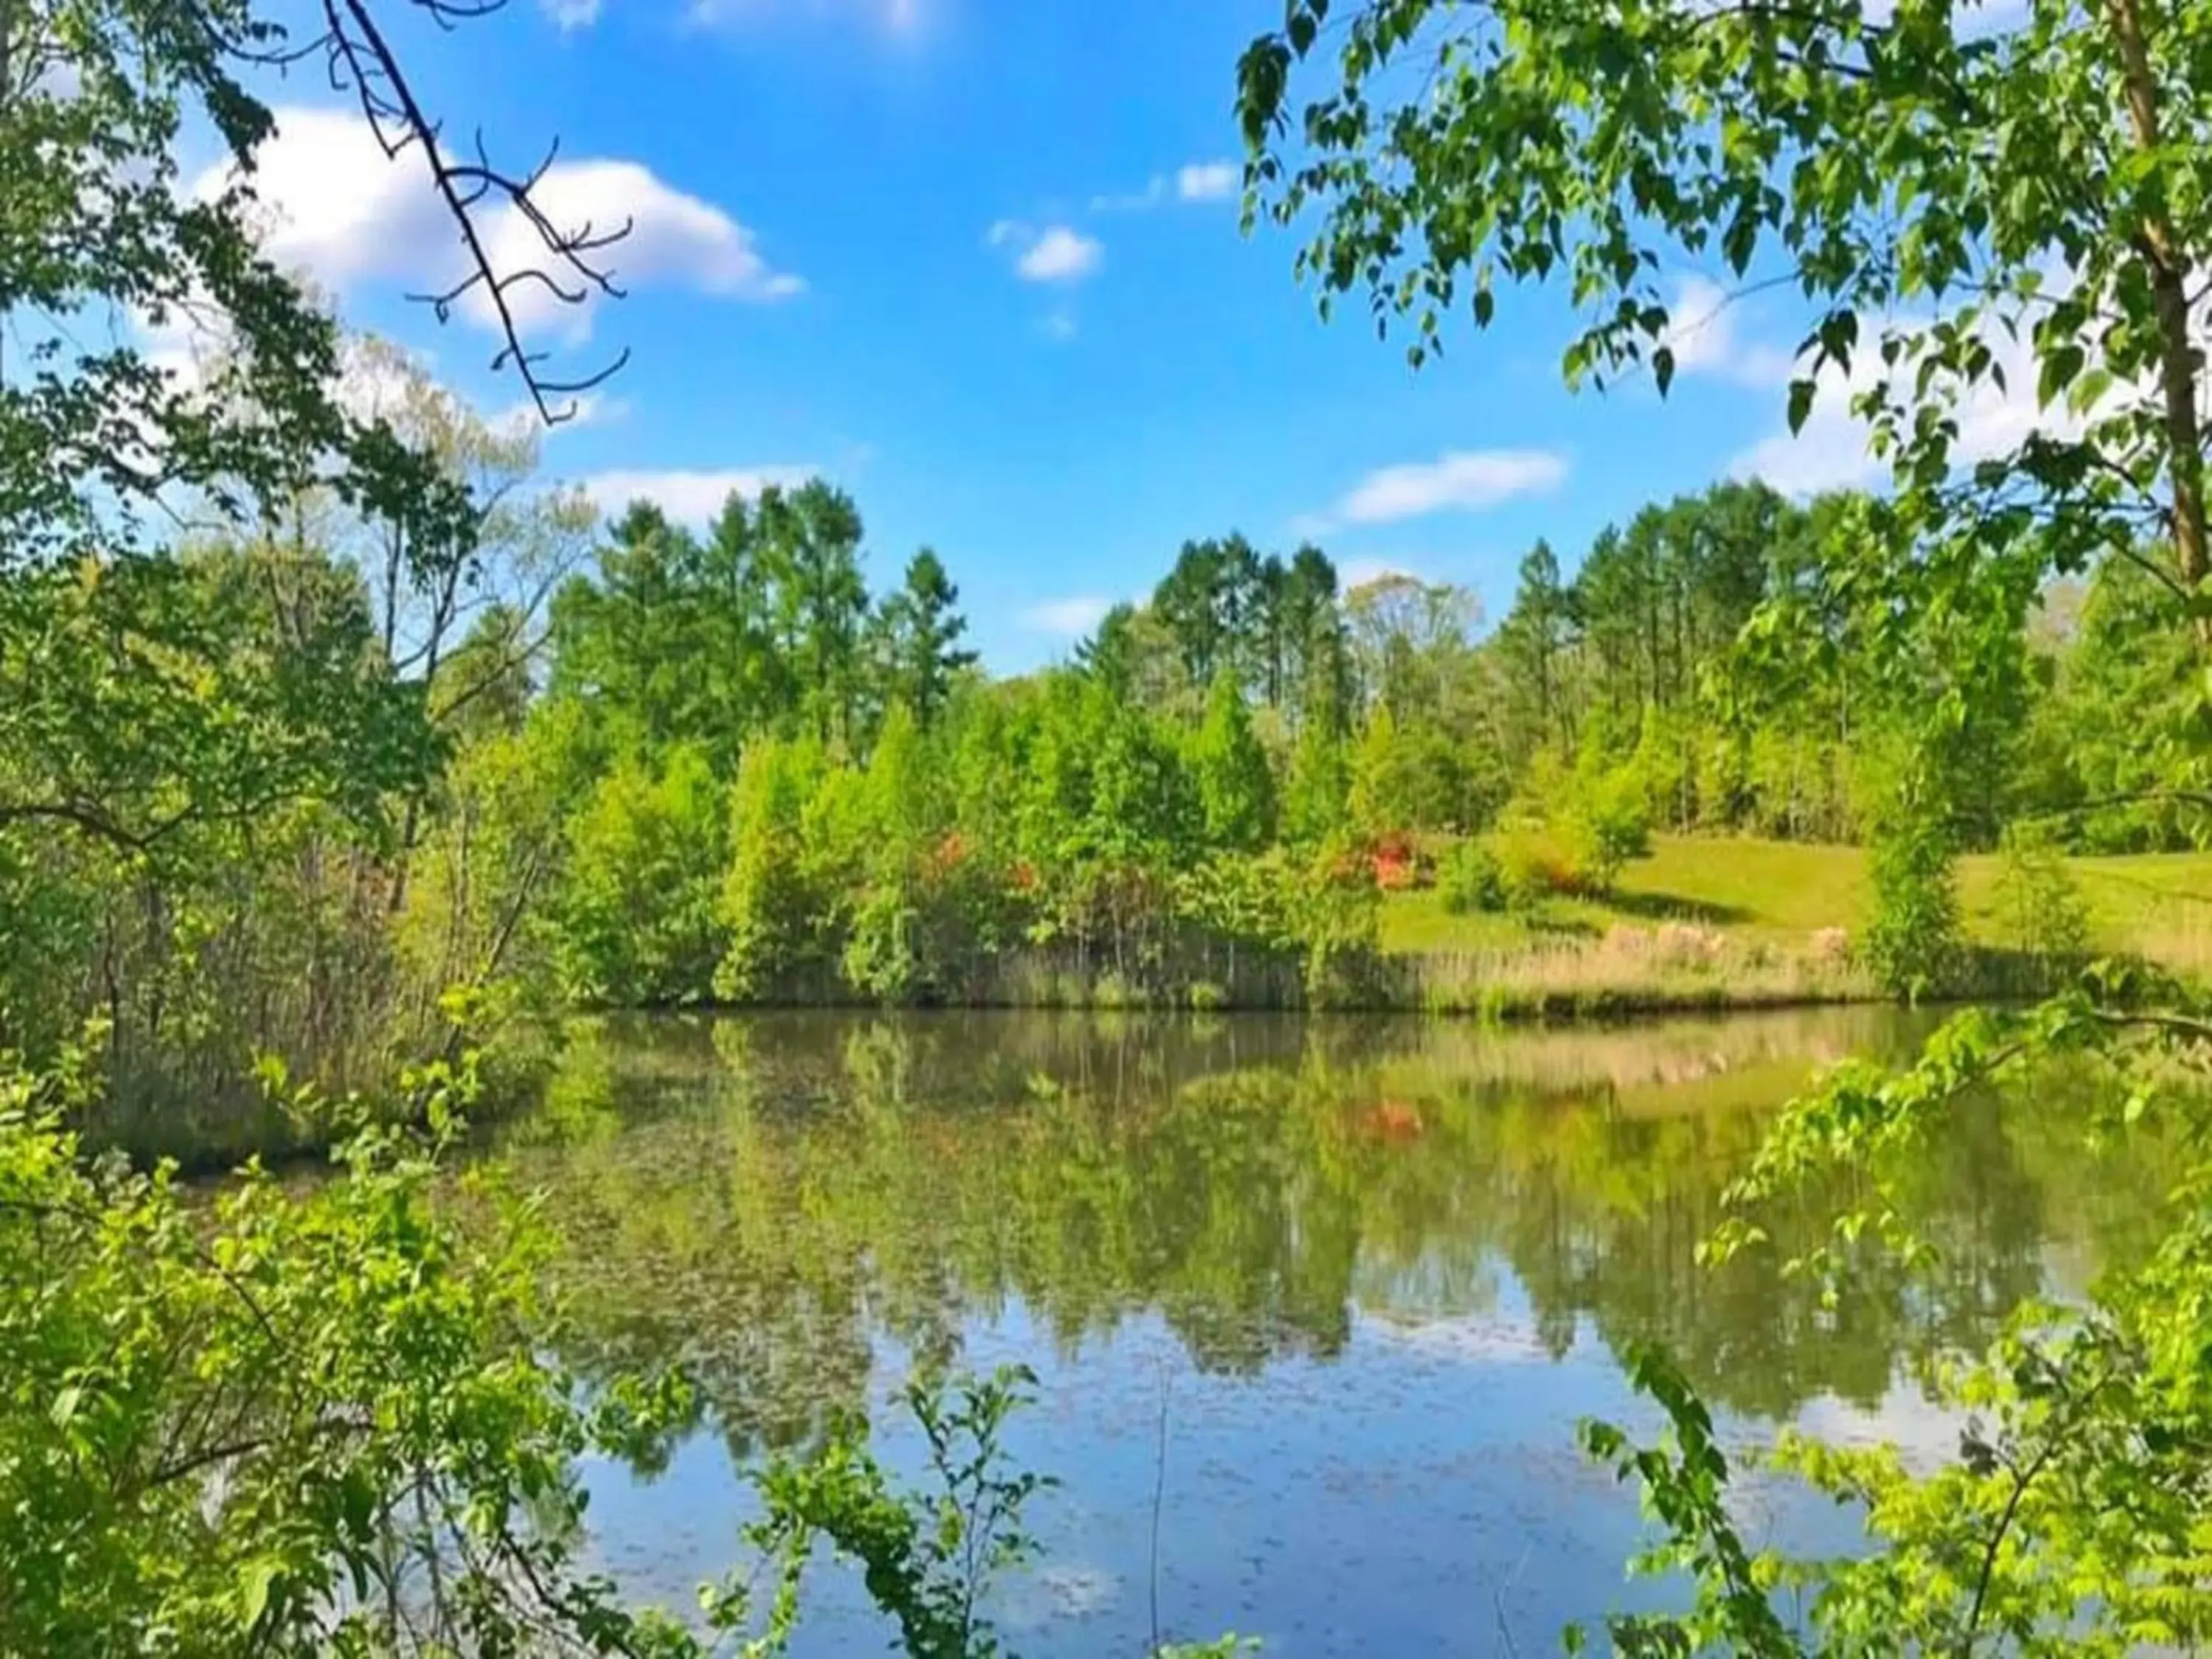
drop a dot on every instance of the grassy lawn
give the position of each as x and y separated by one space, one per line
2158 903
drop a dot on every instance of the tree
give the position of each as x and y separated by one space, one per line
770 909
1208 603
811 540
226 1418
1312 628
2006 153
922 632
1385 780
1236 789
1533 640
674 643
1133 655
635 920
1411 643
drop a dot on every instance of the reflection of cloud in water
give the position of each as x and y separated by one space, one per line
1496 1338
1065 1589
1924 1433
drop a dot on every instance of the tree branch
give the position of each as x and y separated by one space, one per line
361 59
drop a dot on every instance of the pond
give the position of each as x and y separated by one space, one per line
1314 1304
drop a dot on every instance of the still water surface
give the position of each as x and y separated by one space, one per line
1360 1280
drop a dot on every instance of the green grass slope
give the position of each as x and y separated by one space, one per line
2158 904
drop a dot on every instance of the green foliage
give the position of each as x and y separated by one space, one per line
1386 781
277 1424
1573 829
2071 1519
1608 819
769 903
2044 916
1685 1481
1316 793
1912 938
928 1557
1535 863
1470 877
1917 181
919 631
1236 787
94 438
635 918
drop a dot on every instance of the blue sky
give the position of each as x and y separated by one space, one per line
978 261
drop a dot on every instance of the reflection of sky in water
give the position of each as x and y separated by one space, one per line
1420 1493
1495 1211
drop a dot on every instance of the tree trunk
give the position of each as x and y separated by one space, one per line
2169 276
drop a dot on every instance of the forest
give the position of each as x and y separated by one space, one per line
346 755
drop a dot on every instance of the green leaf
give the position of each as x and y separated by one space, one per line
255 1581
2058 370
1800 405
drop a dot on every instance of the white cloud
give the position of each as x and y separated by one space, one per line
1070 618
1206 181
567 16
1701 331
1193 181
1059 325
1060 254
1830 451
1463 480
343 211
688 497
337 206
674 239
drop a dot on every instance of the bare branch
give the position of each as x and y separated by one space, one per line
360 60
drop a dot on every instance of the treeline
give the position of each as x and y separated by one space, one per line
1639 659
779 789
320 792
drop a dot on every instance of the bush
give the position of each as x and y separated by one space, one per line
1573 831
1469 878
223 1417
1534 865
1911 942
1609 822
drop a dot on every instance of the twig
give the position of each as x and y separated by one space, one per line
362 60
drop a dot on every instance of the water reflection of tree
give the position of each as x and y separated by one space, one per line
757 1198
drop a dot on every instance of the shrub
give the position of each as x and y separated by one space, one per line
1912 941
1608 818
224 1417
1573 831
1470 877
1532 865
